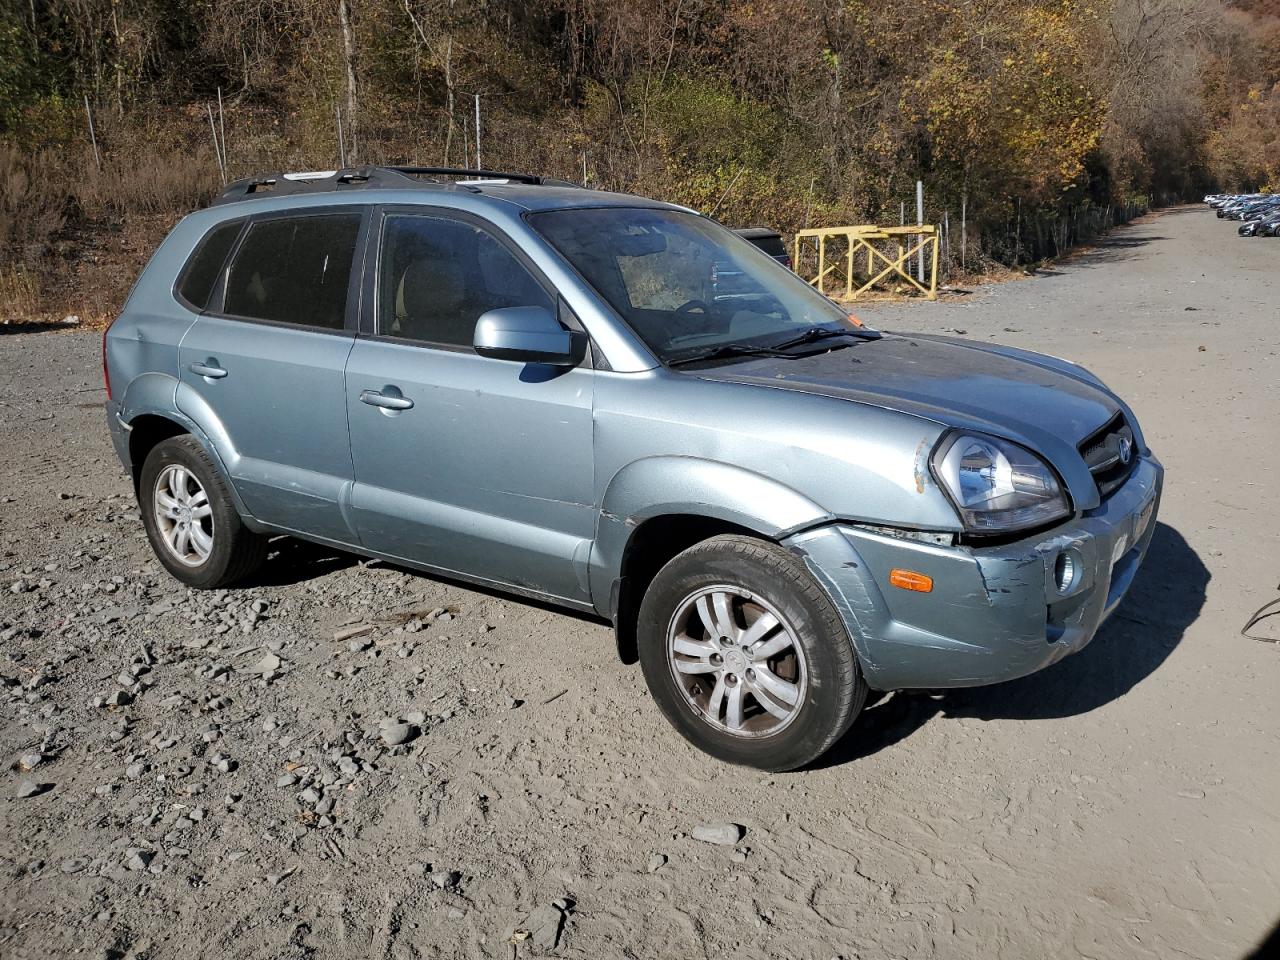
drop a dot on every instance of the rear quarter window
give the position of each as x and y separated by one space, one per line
773 246
200 273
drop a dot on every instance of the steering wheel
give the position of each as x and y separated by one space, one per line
691 305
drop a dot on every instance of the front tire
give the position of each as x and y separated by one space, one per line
191 519
746 655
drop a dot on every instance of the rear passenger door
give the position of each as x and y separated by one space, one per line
466 463
266 360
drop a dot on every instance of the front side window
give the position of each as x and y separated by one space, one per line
294 270
436 276
200 275
685 284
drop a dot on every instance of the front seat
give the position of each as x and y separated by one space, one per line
431 303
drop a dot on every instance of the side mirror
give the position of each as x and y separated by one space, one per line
525 335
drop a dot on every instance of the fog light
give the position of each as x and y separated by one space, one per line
1066 569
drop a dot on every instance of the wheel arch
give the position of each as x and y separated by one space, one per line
150 413
145 432
655 508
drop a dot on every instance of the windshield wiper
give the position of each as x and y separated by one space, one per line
729 350
817 334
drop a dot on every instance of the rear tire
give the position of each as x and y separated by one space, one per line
746 655
191 520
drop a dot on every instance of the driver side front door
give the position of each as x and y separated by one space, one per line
463 463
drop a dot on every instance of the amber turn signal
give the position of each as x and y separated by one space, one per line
910 580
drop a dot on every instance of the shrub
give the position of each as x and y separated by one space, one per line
33 204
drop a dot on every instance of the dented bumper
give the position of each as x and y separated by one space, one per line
995 613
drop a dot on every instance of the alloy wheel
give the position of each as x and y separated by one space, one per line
737 661
183 515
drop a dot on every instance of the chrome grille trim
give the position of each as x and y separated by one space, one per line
1102 452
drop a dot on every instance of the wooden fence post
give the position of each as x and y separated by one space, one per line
93 137
920 236
217 151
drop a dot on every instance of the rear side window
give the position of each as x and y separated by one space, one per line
294 270
200 275
437 276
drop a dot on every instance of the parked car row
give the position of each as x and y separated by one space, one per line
1260 212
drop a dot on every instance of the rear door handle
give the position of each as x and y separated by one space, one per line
209 368
385 401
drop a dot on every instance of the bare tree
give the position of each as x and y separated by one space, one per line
349 62
439 45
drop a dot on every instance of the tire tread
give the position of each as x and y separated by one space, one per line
851 689
247 550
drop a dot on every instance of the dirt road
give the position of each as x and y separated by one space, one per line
214 774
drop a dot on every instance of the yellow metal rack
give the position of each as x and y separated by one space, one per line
908 242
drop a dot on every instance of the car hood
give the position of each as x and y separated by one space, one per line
1047 404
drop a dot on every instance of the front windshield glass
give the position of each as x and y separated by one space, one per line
685 284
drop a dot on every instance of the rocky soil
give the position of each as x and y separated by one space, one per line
343 759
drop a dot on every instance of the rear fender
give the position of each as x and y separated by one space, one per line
161 395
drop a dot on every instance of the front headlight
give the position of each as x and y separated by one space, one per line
996 485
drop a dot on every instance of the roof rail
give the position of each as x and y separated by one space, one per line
369 178
528 178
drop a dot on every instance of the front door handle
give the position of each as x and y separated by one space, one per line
384 400
208 369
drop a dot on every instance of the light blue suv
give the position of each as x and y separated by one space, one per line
533 386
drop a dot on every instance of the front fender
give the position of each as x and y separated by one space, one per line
671 485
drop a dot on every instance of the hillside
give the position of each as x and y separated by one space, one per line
791 113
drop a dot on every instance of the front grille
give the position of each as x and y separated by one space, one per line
1110 454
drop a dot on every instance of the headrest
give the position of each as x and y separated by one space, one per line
430 286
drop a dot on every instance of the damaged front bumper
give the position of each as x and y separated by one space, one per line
995 613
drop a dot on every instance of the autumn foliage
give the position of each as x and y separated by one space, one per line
786 112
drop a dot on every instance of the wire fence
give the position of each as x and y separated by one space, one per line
1027 238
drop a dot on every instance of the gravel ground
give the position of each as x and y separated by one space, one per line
345 759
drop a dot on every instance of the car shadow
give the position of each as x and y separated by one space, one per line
291 561
1166 598
1269 947
36 326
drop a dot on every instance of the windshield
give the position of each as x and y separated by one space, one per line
685 284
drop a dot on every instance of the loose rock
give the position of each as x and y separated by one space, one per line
29 788
268 664
397 734
138 858
724 834
349 633
546 924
